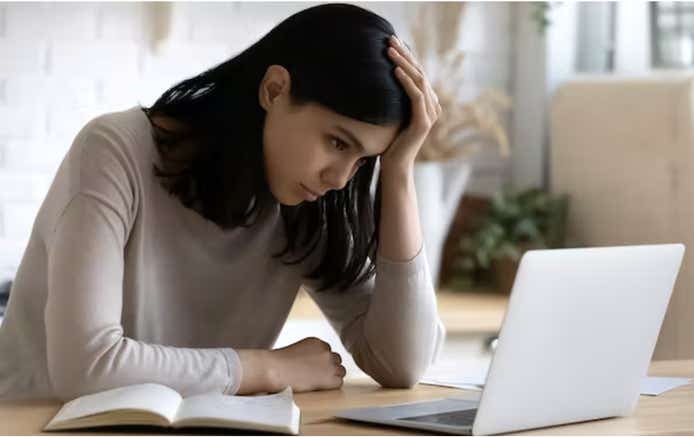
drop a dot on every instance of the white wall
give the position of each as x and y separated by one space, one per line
633 38
528 79
487 40
595 48
62 64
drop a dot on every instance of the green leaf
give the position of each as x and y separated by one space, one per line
526 229
514 221
509 250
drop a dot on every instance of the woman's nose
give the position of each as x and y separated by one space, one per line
337 176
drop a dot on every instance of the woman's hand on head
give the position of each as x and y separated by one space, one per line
425 107
306 365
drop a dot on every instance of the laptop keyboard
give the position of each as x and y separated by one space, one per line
453 418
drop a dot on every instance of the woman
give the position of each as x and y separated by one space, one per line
174 238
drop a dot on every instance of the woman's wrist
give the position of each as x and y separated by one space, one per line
257 371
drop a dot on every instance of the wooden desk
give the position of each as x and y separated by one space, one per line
670 413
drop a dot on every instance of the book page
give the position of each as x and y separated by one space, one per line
154 398
275 410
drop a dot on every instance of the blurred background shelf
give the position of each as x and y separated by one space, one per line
478 311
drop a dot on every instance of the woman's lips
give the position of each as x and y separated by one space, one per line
310 195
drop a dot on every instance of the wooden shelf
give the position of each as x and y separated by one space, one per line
469 312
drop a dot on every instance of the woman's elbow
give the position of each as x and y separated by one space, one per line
71 377
409 367
400 377
68 384
402 364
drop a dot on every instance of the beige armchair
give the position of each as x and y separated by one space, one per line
623 148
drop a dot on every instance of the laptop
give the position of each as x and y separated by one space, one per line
576 340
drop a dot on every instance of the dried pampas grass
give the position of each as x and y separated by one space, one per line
462 128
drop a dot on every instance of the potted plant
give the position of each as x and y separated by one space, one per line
514 223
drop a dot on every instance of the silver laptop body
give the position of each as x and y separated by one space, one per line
576 340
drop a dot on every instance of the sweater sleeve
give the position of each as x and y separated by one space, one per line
87 350
390 323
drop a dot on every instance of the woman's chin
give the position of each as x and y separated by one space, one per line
289 200
294 203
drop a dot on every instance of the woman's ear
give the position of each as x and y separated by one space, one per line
275 84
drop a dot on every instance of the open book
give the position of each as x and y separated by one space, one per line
158 405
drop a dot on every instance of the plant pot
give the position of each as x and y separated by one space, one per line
439 187
504 272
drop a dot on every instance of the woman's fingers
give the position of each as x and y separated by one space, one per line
407 65
404 58
437 104
406 53
417 77
432 103
417 97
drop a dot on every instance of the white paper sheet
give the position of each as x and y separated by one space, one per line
655 385
467 383
650 386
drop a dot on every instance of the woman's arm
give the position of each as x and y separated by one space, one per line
390 323
400 231
87 348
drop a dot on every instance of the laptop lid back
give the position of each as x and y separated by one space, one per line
578 335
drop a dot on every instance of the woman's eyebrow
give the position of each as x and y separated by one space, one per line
352 138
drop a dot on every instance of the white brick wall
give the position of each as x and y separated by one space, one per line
62 64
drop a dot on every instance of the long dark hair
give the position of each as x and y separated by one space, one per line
336 57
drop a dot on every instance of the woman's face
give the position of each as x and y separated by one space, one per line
309 147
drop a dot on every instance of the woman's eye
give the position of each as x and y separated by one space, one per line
341 145
338 143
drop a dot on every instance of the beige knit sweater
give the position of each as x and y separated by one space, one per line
121 284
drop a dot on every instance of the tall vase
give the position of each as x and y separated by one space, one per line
439 186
